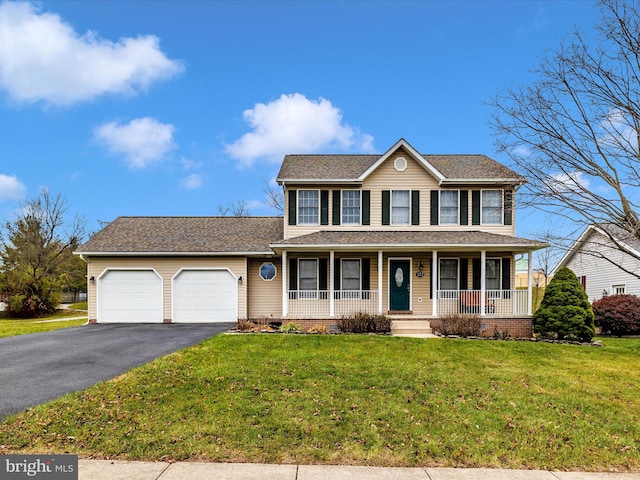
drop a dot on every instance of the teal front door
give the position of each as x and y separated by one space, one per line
399 285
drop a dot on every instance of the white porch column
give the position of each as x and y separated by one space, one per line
529 283
285 282
380 282
332 301
483 286
434 283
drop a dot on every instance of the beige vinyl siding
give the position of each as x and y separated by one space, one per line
166 267
265 297
385 177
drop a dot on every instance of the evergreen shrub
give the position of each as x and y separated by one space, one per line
565 311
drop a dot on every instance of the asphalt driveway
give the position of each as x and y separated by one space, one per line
39 367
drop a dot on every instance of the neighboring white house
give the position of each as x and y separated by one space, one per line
603 267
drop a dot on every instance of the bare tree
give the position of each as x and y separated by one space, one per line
237 208
574 132
274 196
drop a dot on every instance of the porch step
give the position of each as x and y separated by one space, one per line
411 328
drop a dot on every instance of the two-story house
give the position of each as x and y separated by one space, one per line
404 234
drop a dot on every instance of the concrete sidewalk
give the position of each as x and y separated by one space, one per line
120 470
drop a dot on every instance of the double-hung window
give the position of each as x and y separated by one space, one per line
493 277
492 207
449 280
308 206
400 207
350 274
449 207
308 277
351 207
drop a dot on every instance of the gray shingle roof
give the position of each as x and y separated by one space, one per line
186 235
350 167
409 238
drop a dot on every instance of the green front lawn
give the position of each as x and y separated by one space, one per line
20 326
362 400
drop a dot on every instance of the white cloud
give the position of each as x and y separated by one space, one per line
295 124
568 182
143 141
191 182
190 164
11 188
43 59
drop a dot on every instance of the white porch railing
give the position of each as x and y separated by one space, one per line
496 302
317 303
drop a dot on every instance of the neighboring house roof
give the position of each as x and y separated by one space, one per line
186 235
355 168
610 232
340 239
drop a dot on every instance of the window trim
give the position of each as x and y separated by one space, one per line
501 216
298 207
342 260
391 222
499 277
440 205
342 206
617 286
275 268
457 289
309 294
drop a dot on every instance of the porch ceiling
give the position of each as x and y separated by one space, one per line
406 240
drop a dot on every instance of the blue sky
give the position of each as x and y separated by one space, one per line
177 107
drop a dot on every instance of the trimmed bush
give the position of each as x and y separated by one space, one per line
565 311
364 323
457 324
618 314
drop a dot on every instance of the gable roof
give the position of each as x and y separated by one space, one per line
186 235
609 231
316 168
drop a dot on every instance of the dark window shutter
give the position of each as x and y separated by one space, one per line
336 274
583 282
475 207
464 274
386 207
475 275
324 207
292 207
508 207
366 207
322 275
506 277
415 207
337 207
431 270
435 197
464 207
366 274
293 275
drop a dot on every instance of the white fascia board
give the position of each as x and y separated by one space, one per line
173 254
482 181
340 181
406 246
413 152
572 250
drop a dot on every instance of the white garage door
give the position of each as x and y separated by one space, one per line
205 296
130 296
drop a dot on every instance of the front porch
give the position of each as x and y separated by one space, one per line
323 304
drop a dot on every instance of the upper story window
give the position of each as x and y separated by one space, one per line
351 207
400 207
308 207
492 207
449 207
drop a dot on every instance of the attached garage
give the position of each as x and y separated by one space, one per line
205 295
129 296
